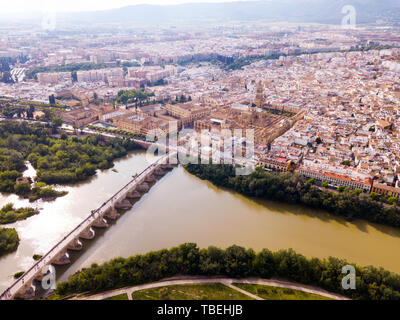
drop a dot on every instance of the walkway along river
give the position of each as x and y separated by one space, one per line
182 208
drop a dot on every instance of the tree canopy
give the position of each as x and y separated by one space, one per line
8 214
9 240
236 262
56 160
138 97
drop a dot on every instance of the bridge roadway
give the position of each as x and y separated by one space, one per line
23 287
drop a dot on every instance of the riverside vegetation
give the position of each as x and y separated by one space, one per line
8 214
235 262
9 240
292 188
57 161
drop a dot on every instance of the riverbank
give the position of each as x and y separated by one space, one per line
183 208
173 214
56 160
233 262
292 188
40 232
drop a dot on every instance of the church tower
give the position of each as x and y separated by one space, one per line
259 100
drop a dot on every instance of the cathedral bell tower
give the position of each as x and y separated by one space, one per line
259 100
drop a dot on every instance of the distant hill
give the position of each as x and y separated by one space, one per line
318 11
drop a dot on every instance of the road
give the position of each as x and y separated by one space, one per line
225 281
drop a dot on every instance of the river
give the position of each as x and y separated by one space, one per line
182 208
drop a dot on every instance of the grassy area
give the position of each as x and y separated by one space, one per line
54 296
276 293
122 296
215 291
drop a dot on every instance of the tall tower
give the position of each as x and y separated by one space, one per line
259 100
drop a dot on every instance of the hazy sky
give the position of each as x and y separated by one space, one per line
82 5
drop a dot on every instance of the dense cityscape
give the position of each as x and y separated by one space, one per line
321 99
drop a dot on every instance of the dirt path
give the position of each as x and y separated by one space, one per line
225 281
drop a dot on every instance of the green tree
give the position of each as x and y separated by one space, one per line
311 182
264 264
238 261
374 196
372 283
56 122
392 200
30 112
346 163
9 240
22 189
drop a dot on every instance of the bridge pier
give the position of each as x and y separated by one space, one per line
159 172
62 259
25 288
144 187
75 245
123 205
100 222
40 275
150 179
112 214
168 166
87 234
27 292
133 195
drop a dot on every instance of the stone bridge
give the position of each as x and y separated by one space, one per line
24 287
